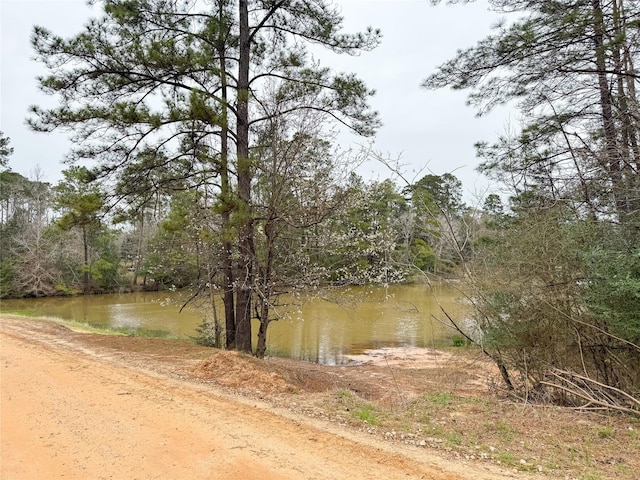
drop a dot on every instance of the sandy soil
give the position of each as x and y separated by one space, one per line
87 406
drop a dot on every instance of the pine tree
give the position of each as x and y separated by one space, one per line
189 80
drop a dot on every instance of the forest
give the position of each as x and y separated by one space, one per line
205 158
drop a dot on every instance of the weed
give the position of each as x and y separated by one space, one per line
476 401
527 467
424 418
454 438
433 431
505 458
591 476
623 469
573 454
441 398
586 450
504 431
606 432
366 413
344 394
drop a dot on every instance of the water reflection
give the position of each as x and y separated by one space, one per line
124 316
320 328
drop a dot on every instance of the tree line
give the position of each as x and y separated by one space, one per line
317 225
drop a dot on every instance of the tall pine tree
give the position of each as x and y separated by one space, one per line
188 80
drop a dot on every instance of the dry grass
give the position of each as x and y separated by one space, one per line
447 406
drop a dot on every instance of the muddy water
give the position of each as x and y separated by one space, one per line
319 328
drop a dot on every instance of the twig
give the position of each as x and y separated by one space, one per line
395 381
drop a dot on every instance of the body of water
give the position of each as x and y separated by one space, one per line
319 328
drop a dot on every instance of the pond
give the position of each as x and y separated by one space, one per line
320 328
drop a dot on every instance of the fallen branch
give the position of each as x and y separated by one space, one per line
597 394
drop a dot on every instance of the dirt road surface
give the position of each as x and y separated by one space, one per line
76 412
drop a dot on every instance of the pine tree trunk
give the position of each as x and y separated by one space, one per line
227 261
611 162
245 228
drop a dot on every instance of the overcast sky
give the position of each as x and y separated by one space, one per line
433 132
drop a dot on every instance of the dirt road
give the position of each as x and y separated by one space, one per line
78 413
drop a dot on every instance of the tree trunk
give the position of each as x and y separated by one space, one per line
217 328
136 262
244 172
86 276
265 291
261 347
611 162
225 186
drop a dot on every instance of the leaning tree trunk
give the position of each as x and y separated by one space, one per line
264 289
261 346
